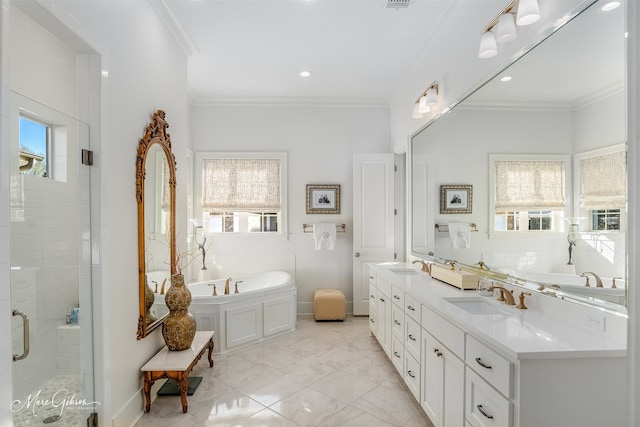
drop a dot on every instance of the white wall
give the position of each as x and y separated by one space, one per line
320 142
147 71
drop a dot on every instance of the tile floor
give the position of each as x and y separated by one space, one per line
328 374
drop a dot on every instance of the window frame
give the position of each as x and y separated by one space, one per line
282 156
564 212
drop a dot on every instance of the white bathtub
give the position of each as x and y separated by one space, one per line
264 306
576 284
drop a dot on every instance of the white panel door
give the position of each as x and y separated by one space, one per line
373 220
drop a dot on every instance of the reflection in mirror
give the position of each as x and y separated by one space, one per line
565 99
155 185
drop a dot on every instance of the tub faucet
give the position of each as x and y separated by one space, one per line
598 279
226 285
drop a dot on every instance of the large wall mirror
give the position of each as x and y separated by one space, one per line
155 192
563 100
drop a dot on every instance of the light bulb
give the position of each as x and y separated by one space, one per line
423 108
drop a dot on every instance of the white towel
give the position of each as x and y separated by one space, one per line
460 235
325 236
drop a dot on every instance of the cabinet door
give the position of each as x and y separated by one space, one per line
384 323
432 380
442 384
412 374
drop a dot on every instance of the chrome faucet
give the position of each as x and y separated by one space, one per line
425 267
505 294
226 285
598 279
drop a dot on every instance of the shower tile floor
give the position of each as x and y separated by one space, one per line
55 398
328 374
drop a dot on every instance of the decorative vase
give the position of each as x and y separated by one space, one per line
149 299
179 327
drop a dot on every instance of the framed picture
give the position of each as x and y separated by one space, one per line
323 199
455 199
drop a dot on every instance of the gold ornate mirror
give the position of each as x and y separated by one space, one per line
156 195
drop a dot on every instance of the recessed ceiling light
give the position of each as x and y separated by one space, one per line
506 79
305 73
610 6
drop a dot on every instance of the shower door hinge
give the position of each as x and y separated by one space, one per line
87 157
92 421
395 168
395 211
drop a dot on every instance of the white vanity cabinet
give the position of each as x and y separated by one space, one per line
380 303
470 371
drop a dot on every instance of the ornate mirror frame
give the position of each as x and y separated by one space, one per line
156 133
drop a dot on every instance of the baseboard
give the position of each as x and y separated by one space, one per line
133 410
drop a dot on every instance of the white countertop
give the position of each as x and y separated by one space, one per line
536 333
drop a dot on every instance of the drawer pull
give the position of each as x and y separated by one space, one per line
371 277
396 297
397 322
372 321
395 353
410 307
481 363
437 352
412 338
410 373
481 409
381 299
373 296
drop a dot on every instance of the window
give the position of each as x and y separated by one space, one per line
34 147
602 176
243 193
528 192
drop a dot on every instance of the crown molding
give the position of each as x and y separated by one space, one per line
291 101
165 12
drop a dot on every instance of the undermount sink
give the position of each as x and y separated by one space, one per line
405 271
477 306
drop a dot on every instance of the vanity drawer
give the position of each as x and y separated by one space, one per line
485 407
490 365
397 322
412 338
412 307
397 296
397 355
412 374
373 295
444 331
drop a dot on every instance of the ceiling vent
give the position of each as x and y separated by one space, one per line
398 4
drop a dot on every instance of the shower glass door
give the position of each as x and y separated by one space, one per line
50 237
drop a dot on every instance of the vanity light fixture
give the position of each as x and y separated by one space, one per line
425 101
502 29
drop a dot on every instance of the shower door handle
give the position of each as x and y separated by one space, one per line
25 321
